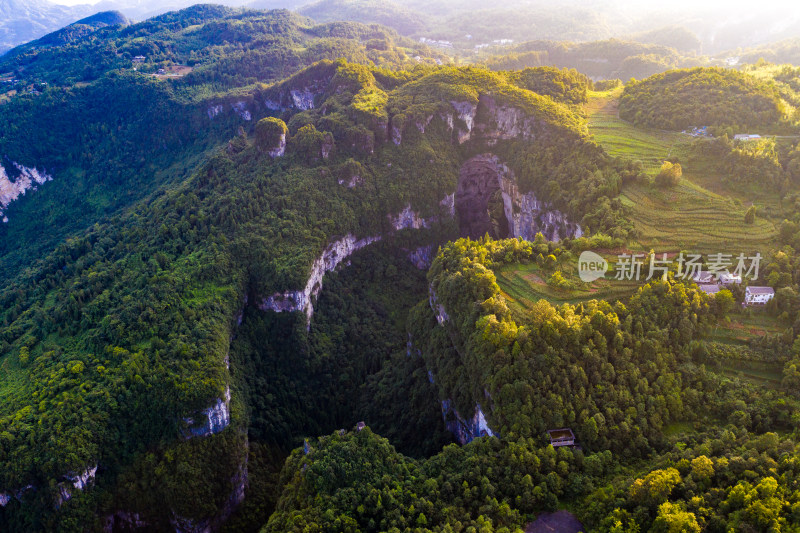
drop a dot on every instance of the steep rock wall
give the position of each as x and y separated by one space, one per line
465 429
211 420
302 300
481 179
28 178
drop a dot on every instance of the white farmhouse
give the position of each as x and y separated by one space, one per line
758 295
729 279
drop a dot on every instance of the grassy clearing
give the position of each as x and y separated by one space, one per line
742 328
763 374
679 428
689 216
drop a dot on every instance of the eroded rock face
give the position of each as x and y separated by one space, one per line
241 109
301 300
480 179
214 110
212 420
507 122
5 498
535 216
438 309
27 179
422 257
354 181
466 112
488 200
465 430
280 149
409 219
302 99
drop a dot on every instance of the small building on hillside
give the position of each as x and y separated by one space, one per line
561 437
138 59
746 137
709 288
730 279
703 276
758 295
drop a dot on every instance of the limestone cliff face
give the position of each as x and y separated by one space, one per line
436 307
483 178
422 257
280 149
409 219
27 179
240 108
75 482
302 300
70 483
465 429
211 420
296 98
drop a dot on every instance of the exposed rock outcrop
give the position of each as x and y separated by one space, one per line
280 149
409 219
302 300
214 110
28 178
5 498
302 99
484 179
449 204
438 309
352 182
422 257
466 113
211 420
241 109
465 430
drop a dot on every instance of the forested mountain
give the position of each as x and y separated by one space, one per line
278 271
608 59
108 129
702 97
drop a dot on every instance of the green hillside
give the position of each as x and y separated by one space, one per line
109 135
606 59
699 97
145 302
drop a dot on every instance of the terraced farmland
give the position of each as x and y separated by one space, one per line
622 139
687 217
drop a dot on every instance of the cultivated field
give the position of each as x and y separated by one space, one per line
524 284
690 216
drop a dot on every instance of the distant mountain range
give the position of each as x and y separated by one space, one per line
520 20
25 20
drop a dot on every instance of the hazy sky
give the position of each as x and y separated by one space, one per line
791 8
